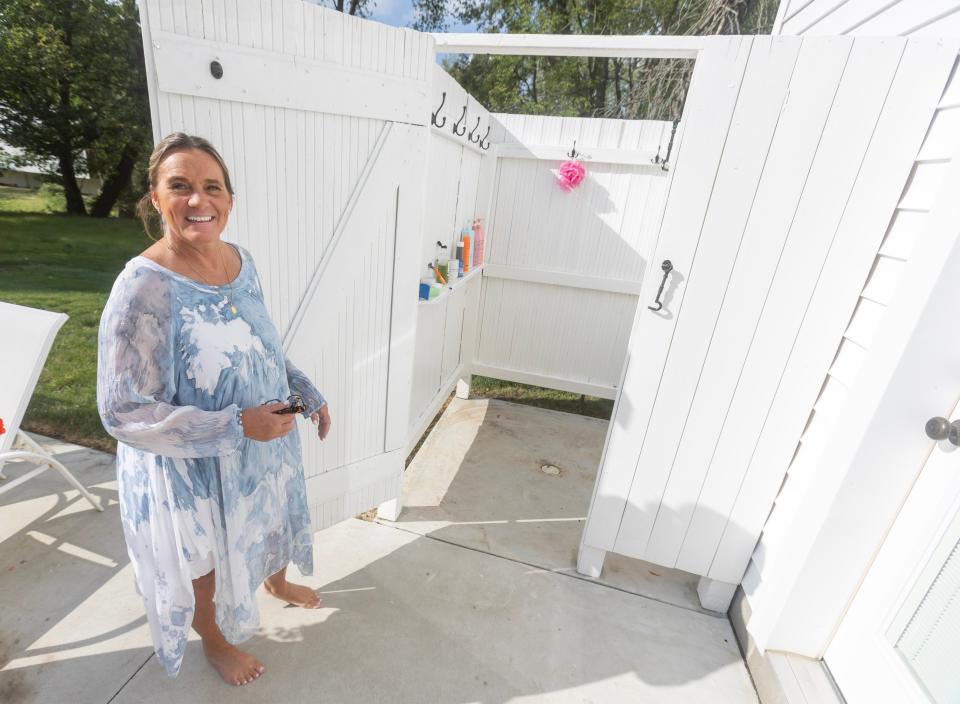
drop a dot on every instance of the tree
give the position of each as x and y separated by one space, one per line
587 87
73 91
358 8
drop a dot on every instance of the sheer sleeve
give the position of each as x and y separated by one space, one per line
135 377
300 384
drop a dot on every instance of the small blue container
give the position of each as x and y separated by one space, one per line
424 292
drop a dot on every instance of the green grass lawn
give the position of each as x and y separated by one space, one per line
68 264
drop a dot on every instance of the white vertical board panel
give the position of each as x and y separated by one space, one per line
812 87
542 328
458 170
859 99
532 330
320 197
707 114
909 105
662 499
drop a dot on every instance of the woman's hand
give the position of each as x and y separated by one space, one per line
264 424
322 418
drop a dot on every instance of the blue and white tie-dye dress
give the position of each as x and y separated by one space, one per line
175 364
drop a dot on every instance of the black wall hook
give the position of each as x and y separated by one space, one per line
434 115
463 118
573 153
664 162
475 128
481 142
667 267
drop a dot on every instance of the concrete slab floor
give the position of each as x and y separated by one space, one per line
516 481
406 619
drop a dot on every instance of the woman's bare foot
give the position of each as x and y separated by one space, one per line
295 594
235 666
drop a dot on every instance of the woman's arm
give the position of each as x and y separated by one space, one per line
300 384
135 377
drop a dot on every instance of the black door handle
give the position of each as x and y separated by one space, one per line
667 268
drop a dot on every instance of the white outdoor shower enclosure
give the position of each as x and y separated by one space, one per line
788 164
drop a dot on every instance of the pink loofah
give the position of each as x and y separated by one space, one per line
570 175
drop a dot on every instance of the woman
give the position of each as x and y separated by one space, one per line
212 493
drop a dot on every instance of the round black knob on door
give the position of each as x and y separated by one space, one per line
937 428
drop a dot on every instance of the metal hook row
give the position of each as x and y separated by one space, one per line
459 127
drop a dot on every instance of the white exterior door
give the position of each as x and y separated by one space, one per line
900 639
793 152
321 118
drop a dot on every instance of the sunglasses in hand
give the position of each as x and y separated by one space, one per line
295 404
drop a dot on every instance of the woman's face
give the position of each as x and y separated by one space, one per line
192 198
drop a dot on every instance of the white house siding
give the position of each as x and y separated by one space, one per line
938 18
922 17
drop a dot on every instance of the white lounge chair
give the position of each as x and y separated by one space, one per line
30 333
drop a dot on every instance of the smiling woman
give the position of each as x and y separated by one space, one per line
210 477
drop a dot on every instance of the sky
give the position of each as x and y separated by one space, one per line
399 13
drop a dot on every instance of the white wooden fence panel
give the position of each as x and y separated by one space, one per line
825 184
328 203
856 107
707 115
763 91
597 238
813 83
458 186
909 104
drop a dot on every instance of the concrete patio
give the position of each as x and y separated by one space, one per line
470 597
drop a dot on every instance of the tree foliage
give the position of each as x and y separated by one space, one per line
358 8
73 90
596 87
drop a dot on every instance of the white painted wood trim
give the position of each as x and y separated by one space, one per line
420 426
147 17
781 13
469 276
550 382
715 596
251 76
362 185
594 155
560 278
869 464
590 561
640 46
443 133
350 477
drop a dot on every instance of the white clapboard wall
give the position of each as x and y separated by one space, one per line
794 154
322 119
563 270
933 18
771 570
461 155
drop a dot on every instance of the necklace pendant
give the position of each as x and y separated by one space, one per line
233 309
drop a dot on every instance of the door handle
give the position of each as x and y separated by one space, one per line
940 428
667 267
